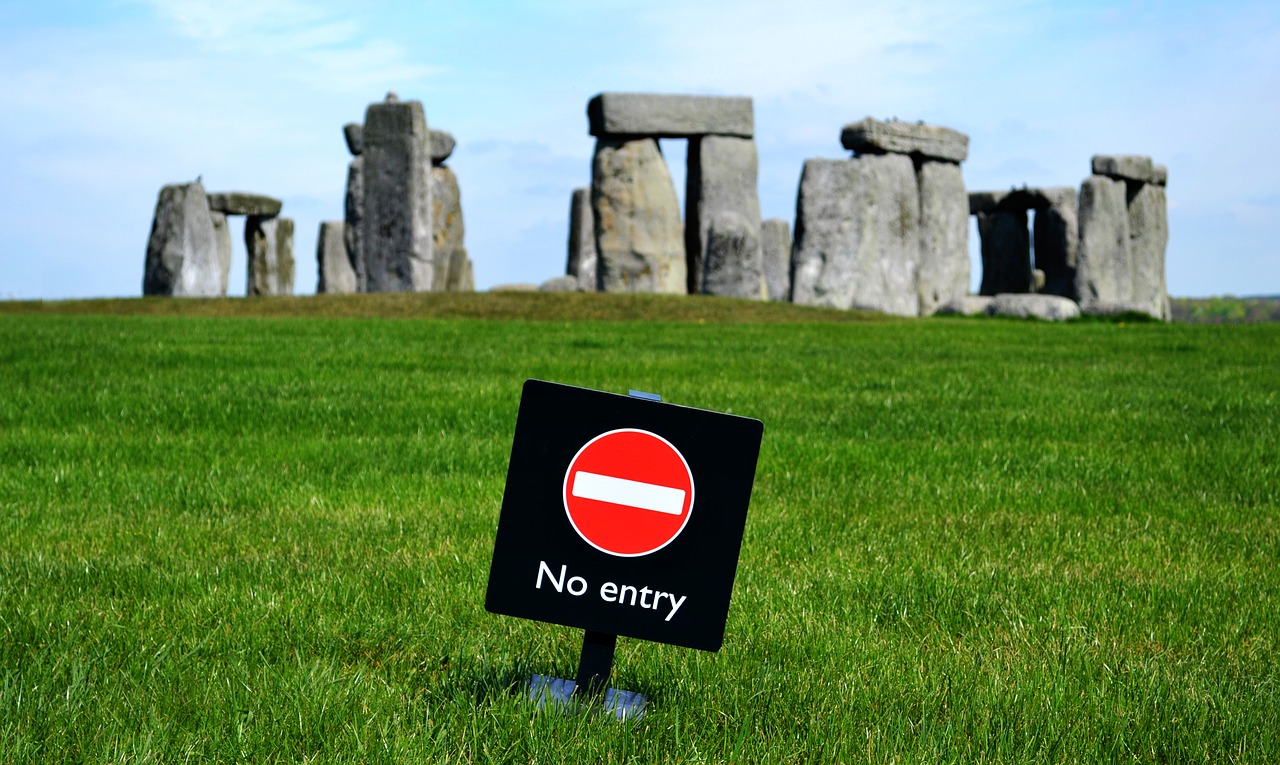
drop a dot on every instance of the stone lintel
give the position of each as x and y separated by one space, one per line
1125 167
872 136
244 203
353 132
658 115
442 144
1025 198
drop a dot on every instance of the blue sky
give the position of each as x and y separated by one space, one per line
105 102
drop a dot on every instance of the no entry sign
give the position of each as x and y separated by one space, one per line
623 515
628 492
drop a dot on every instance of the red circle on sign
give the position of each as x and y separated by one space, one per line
628 492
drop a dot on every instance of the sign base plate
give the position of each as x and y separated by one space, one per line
625 705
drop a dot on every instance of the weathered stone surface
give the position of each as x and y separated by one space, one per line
1026 306
447 227
395 227
1148 239
775 255
1125 167
1056 233
1160 175
857 234
1103 271
722 179
669 116
334 272
461 275
560 284
733 267
243 203
985 201
222 238
944 235
269 241
442 145
581 262
353 132
968 305
872 136
182 251
1006 252
353 216
639 237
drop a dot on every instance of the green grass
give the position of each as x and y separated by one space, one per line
267 539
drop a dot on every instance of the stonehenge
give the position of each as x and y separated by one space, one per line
886 230
1103 248
634 240
189 250
402 227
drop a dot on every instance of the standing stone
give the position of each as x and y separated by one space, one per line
581 262
447 228
333 265
222 237
461 277
1006 252
858 234
395 230
182 251
775 252
732 266
1056 234
1103 272
1148 238
269 241
639 236
944 235
353 217
722 178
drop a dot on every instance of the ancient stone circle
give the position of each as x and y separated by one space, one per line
885 229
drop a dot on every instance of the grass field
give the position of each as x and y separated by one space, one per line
265 538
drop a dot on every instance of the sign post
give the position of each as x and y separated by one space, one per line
622 515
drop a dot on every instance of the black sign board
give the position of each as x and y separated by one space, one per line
623 515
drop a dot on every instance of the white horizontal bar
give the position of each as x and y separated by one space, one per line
621 491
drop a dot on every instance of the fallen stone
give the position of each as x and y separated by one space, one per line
1103 271
639 237
722 181
871 136
515 287
222 237
775 255
335 274
442 144
1026 306
1148 240
943 274
353 132
657 115
395 227
242 203
560 284
1125 167
447 227
1118 309
353 217
182 251
269 241
967 305
581 263
857 234
1006 252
